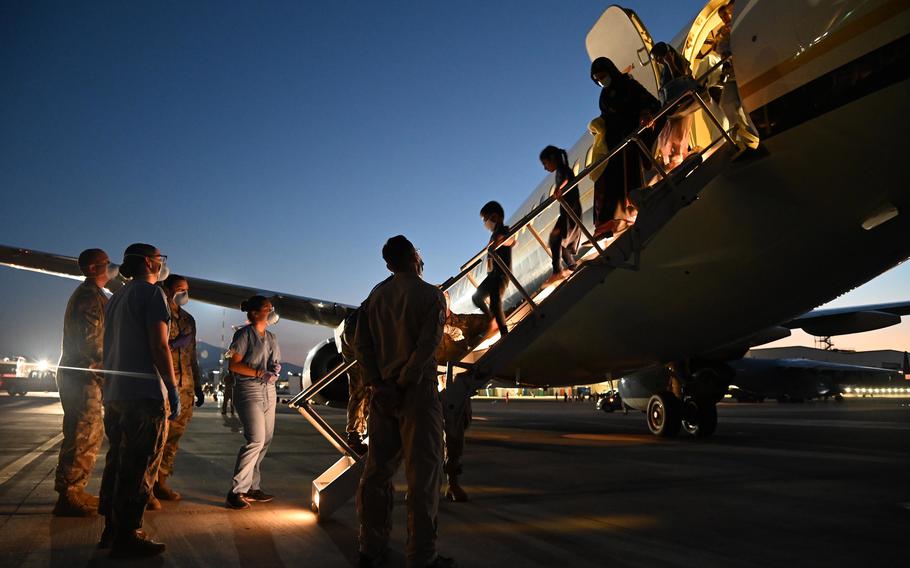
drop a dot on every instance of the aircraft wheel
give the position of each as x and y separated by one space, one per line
699 417
664 414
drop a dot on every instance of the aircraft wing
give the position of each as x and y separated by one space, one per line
856 319
820 323
288 306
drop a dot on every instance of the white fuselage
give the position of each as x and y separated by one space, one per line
776 233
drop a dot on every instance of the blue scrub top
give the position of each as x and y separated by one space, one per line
257 352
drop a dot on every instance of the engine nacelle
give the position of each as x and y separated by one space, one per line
319 361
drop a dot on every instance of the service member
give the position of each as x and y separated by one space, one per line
358 393
79 382
182 341
140 395
399 329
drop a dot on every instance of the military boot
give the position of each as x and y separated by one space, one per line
454 491
133 545
163 491
154 504
89 499
355 441
71 504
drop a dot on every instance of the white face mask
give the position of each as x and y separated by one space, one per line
181 298
273 317
163 272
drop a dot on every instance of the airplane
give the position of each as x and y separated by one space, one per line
730 250
798 380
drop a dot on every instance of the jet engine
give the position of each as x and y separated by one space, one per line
319 362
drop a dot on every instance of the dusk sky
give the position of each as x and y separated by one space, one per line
278 144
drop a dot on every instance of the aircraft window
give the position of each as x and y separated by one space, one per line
552 189
589 157
575 167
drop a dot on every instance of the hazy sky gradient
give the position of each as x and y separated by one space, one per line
279 144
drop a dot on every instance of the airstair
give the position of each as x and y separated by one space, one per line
539 308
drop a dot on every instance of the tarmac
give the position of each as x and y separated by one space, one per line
551 484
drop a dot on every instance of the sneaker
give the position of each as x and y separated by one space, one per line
69 505
154 504
259 496
442 562
236 501
135 546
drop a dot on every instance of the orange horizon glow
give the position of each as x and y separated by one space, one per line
896 337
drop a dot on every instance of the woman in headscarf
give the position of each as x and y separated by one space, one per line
625 106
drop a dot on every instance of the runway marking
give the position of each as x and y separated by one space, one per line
14 468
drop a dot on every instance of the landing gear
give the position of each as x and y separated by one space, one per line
699 417
664 414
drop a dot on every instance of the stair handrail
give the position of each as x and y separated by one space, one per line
633 139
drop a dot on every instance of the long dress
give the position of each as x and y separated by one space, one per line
674 139
621 106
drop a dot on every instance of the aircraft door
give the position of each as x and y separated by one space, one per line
620 36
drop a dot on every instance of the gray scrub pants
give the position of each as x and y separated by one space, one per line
413 433
255 404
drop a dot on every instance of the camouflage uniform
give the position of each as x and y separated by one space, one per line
186 369
461 334
358 394
80 391
136 430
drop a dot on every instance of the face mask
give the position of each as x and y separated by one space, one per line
163 272
605 82
181 298
273 317
113 271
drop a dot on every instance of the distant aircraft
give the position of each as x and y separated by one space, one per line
796 380
729 251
